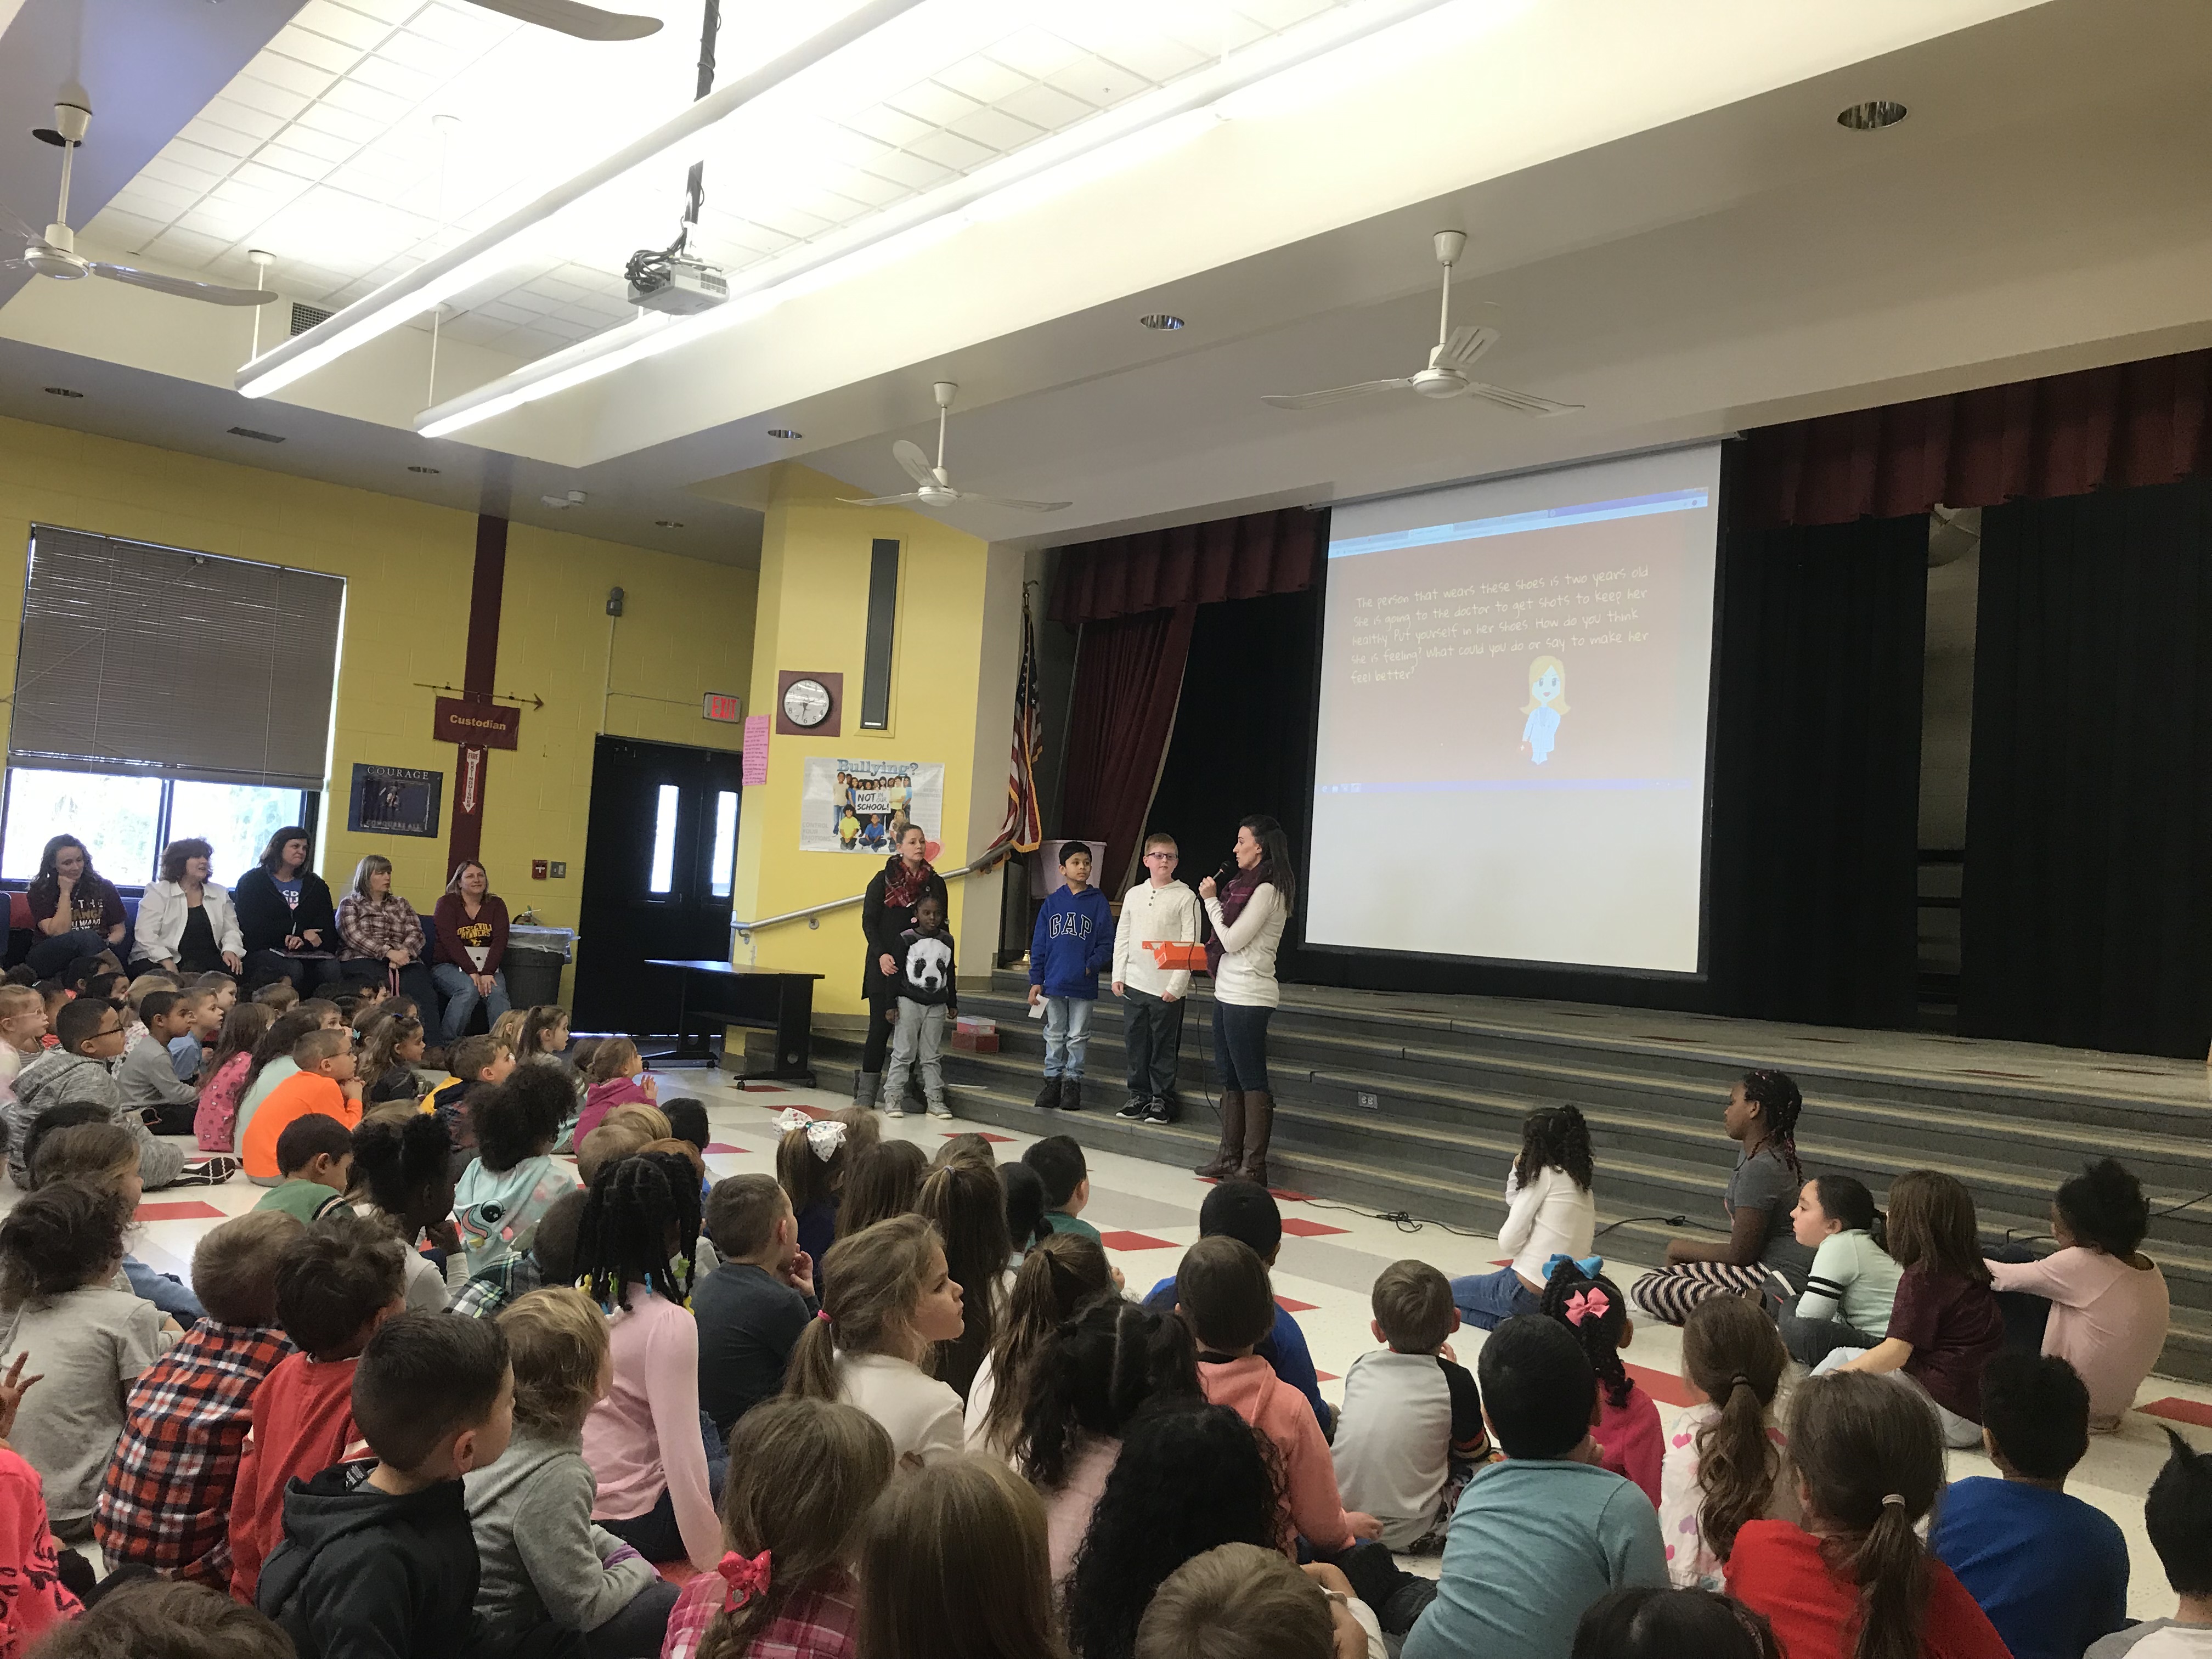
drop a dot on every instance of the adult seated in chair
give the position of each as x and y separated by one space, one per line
381 936
286 916
74 911
186 922
471 923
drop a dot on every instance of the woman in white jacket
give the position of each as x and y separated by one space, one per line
186 922
1248 913
1550 1212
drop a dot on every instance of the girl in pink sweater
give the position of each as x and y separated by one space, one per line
644 1442
1631 1443
613 1074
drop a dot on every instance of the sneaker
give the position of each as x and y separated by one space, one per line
207 1171
1049 1096
1138 1106
1071 1094
938 1109
1159 1111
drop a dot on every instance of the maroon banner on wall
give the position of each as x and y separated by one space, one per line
1241 558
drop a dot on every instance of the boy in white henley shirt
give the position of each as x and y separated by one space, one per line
1157 909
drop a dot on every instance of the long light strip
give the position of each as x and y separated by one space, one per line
492 250
1135 132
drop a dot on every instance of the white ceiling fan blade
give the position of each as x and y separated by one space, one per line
916 463
1465 343
569 17
1008 501
1523 402
1336 394
183 288
882 500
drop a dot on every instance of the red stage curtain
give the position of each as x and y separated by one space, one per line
2133 424
1129 679
1243 558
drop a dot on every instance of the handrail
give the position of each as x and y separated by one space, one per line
990 861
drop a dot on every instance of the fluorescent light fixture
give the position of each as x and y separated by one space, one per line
1112 140
438 279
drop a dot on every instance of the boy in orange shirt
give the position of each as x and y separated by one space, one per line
324 1083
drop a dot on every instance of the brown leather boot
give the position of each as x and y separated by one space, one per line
1224 1161
1259 1124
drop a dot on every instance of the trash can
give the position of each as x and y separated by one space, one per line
535 956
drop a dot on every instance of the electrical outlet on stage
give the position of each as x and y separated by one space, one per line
1369 1103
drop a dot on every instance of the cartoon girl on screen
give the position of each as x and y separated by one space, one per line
1548 700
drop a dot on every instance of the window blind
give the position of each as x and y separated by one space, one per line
183 665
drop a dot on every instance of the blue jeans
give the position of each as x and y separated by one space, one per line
1066 1035
462 996
1487 1301
1240 1045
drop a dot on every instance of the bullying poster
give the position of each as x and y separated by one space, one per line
860 806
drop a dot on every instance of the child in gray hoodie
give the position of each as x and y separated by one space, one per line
542 1559
90 1034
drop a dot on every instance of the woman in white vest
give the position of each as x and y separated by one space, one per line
186 923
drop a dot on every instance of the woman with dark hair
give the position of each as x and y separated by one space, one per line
381 936
886 911
1247 914
1185 1481
286 916
472 922
1761 1118
74 911
184 920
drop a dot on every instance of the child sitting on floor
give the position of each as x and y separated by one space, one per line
502 1196
2177 1515
1239 1601
77 1143
1061 1274
752 1307
29 1561
146 1075
1411 1431
165 1501
1852 1287
1628 1434
335 1286
315 1157
1539 1537
379 1554
60 1249
551 1259
1725 1460
214 1119
478 1063
403 1179
804 1474
811 1163
90 1034
323 1082
396 1047
1060 1160
1549 1211
628 1130
532 1511
614 1078
22 1033
191 1049
2051 1571
952 1561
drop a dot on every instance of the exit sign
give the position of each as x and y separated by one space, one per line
724 706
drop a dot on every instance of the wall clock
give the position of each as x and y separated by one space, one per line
808 703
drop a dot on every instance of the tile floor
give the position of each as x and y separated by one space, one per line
1149 1212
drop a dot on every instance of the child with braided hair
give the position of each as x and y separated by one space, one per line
644 1442
1630 1441
1726 1459
1762 1117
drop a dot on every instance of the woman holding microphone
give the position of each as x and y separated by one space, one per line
1247 912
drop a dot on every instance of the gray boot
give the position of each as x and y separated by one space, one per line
866 1087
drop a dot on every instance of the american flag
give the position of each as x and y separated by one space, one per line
1023 830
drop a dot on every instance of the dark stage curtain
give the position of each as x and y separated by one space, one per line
1128 677
1242 558
2089 890
2133 424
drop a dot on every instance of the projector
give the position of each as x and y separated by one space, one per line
681 287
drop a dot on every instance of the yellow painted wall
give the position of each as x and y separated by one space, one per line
813 612
688 629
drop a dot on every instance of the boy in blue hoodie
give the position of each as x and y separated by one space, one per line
1074 940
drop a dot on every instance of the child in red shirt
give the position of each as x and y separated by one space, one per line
335 1286
1631 1441
1870 1462
31 1595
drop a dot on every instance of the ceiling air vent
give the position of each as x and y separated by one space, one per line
306 317
258 437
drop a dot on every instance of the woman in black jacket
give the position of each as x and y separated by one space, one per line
887 911
284 908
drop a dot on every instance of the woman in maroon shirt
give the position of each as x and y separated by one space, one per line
471 923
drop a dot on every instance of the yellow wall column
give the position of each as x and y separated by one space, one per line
952 687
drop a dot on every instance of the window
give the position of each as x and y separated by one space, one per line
125 821
725 842
664 841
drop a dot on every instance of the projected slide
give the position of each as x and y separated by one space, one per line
1510 757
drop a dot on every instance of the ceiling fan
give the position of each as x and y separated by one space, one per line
571 17
933 484
1446 376
55 254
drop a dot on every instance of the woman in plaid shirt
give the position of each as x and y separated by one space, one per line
380 935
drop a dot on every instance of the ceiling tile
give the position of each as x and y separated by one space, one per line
241 116
1092 78
357 98
1037 53
995 129
889 126
397 79
928 102
332 56
266 96
183 152
153 198
1046 107
420 52
1158 59
911 170
877 191
300 139
1281 14
341 23
392 11
786 220
293 74
222 140
163 170
187 247
345 126
981 79
950 149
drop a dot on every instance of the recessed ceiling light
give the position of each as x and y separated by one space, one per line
784 432
422 469
1161 320
668 523
1871 117
61 391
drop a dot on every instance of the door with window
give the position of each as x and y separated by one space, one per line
661 854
